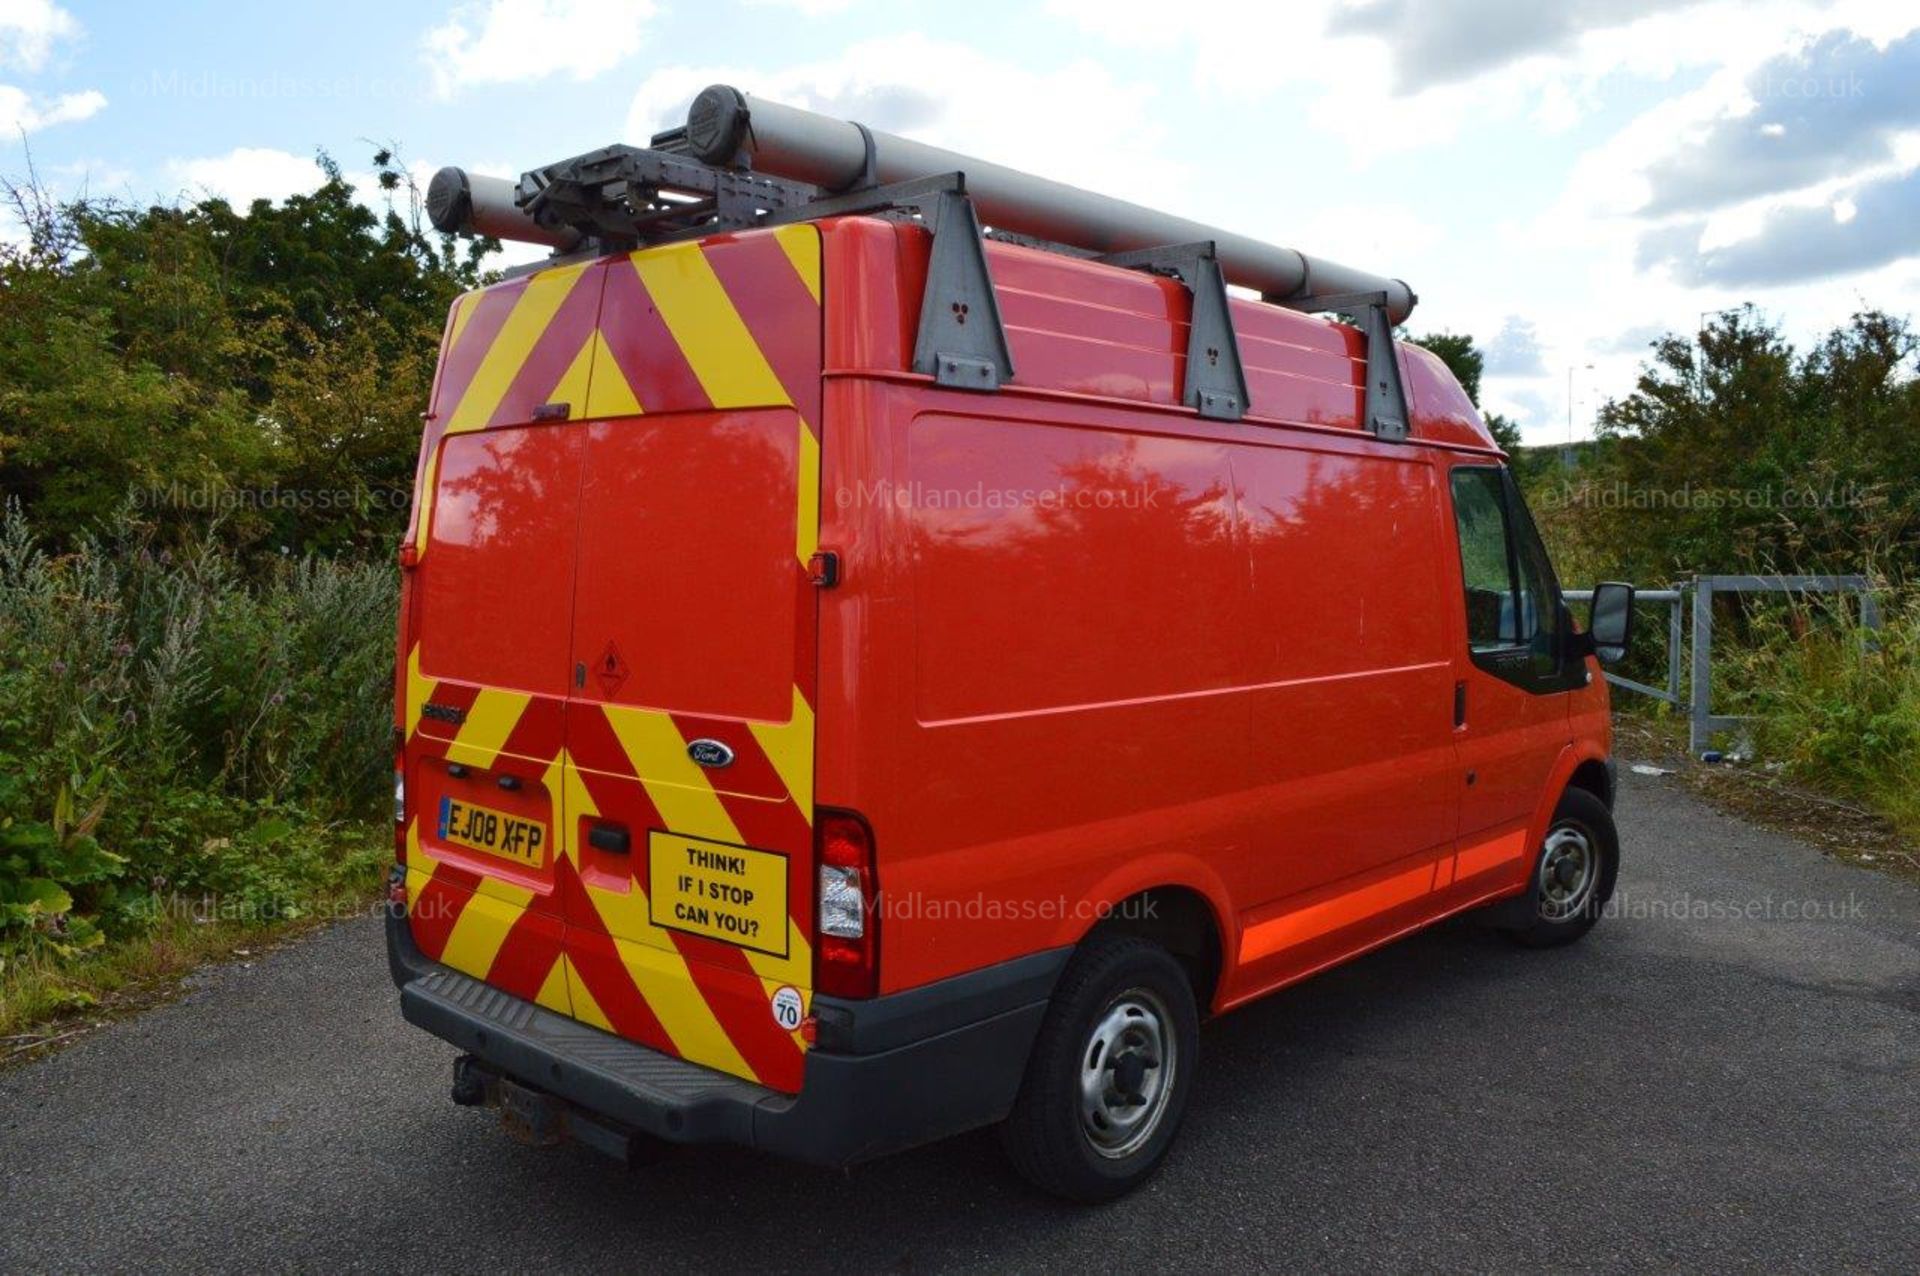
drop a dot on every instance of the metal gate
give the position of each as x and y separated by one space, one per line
1702 720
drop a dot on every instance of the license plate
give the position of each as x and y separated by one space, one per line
482 828
731 893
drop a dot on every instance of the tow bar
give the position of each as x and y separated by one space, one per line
538 1119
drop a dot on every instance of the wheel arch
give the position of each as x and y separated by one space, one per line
1180 905
1596 777
1584 766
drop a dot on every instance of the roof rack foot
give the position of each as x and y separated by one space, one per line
961 341
1385 409
1216 382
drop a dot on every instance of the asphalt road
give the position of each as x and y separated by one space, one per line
1705 1082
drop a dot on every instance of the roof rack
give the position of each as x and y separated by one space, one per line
740 162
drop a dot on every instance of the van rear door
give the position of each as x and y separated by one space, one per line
491 598
688 772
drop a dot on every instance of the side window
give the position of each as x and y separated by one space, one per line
1512 600
1486 559
1539 592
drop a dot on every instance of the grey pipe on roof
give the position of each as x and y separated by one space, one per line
725 124
463 203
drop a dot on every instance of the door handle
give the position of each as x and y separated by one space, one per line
1459 704
612 838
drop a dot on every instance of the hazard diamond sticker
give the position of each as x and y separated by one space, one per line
611 670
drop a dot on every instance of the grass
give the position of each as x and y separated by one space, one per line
176 724
1838 705
46 1000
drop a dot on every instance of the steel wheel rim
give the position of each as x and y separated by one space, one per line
1127 1069
1569 871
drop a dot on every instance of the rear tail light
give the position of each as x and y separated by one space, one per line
399 812
848 950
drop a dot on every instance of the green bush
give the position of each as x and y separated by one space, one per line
1838 704
172 729
269 362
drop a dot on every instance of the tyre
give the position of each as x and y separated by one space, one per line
1573 874
1108 1079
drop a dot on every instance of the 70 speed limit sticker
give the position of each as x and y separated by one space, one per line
787 1008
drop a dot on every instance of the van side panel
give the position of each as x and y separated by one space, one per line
1030 677
1352 733
1061 567
1035 717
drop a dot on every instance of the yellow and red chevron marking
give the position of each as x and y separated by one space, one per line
509 349
709 1000
660 330
730 322
727 322
477 923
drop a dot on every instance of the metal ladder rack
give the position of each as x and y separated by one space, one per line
741 163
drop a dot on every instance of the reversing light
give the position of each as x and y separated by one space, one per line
843 912
848 948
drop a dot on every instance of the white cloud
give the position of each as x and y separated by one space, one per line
245 174
1365 232
948 94
1514 351
806 8
21 112
28 31
510 41
1352 68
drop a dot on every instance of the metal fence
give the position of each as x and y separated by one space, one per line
1702 720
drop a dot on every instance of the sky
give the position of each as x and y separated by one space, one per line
1566 180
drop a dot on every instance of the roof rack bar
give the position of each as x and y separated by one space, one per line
1216 383
725 124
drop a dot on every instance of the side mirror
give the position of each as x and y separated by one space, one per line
1610 621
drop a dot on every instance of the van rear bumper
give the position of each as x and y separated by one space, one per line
886 1074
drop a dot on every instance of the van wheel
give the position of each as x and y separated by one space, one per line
1573 876
1109 1076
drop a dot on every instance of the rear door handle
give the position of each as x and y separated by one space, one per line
612 838
1459 704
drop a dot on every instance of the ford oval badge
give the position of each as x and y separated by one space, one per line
710 753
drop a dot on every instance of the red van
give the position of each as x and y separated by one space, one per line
800 750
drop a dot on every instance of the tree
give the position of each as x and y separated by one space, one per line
1735 452
1462 357
270 361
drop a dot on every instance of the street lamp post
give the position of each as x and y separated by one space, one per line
1566 455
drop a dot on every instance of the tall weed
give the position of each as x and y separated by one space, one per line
172 728
1839 704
